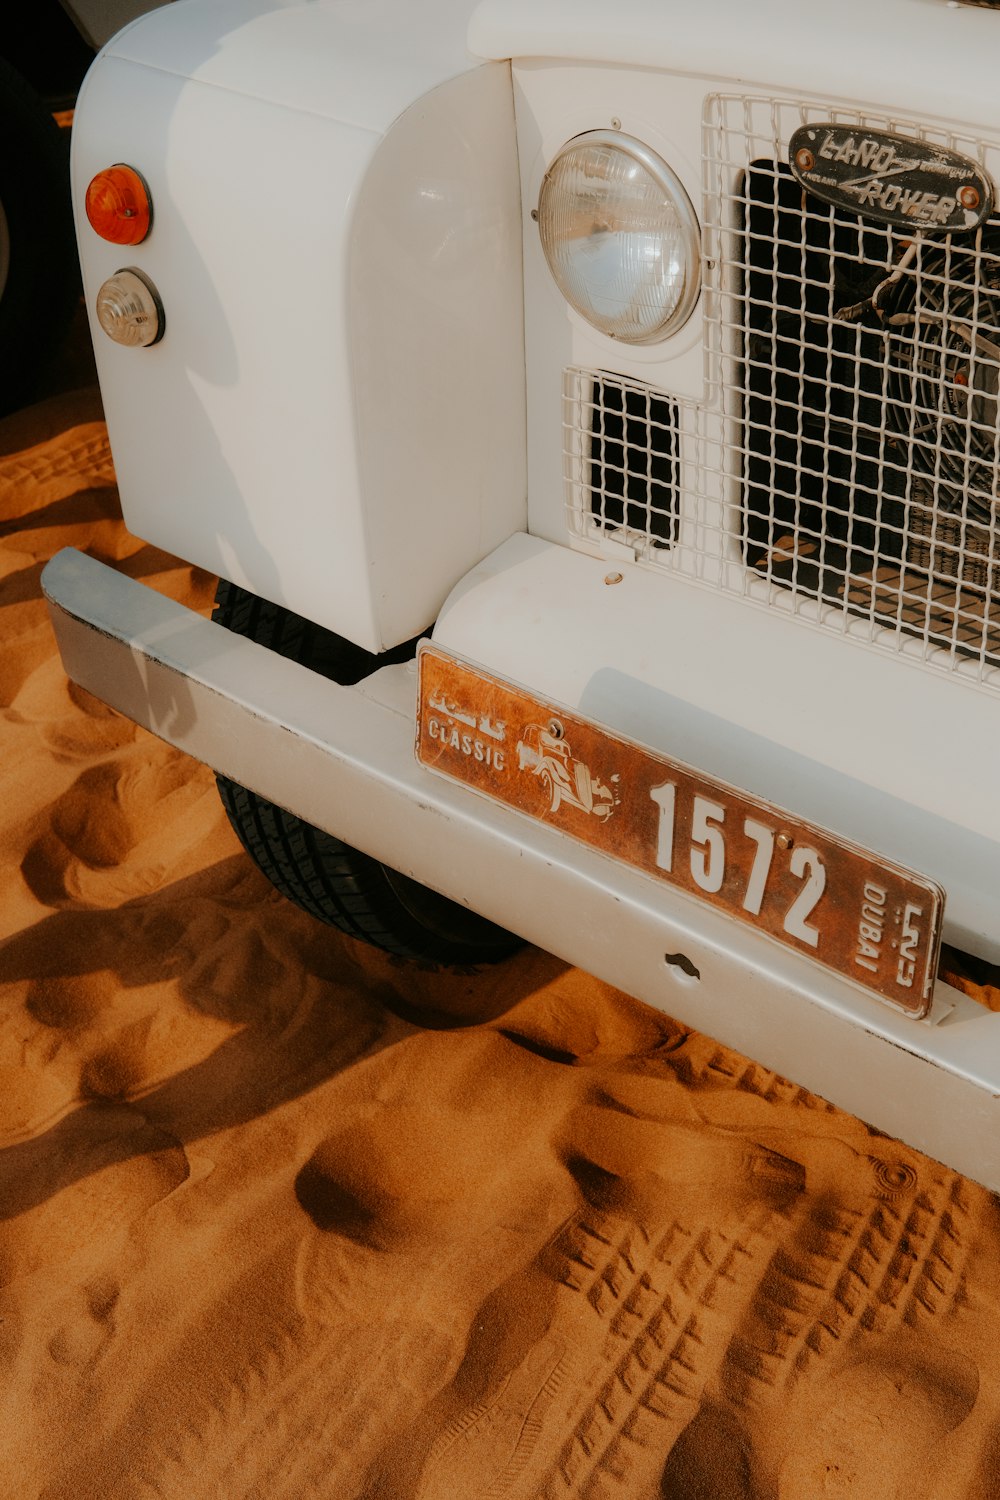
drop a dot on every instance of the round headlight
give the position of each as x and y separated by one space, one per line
620 236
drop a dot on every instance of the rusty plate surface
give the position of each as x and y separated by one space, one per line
841 905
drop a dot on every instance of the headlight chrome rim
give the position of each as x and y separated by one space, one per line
689 230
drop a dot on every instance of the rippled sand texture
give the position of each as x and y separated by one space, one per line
281 1219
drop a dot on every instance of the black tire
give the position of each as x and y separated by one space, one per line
325 877
39 279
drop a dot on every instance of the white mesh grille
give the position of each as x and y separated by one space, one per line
845 467
620 446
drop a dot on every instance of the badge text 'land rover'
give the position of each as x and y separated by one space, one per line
891 177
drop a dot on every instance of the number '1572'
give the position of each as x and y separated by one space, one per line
707 859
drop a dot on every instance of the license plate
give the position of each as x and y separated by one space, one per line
839 904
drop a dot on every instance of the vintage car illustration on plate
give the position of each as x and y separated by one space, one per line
565 779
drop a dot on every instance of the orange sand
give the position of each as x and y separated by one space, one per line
284 1219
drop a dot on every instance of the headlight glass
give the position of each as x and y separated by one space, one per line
620 236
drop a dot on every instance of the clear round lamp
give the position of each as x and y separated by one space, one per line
620 237
129 309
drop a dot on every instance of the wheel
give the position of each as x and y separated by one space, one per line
325 877
551 791
39 286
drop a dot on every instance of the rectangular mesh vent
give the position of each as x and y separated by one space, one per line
621 450
860 369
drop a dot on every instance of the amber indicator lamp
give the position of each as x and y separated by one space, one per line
119 206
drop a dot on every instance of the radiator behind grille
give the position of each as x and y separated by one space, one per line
621 451
868 393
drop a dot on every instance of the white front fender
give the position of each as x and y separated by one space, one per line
334 418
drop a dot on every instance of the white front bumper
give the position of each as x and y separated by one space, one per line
343 758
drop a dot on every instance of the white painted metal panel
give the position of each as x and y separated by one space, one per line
437 346
334 418
361 62
233 438
899 53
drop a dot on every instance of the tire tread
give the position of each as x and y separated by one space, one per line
331 880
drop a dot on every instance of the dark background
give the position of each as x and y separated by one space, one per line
40 41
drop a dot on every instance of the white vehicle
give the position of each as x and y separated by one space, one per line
644 361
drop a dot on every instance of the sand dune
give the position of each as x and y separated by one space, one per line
281 1218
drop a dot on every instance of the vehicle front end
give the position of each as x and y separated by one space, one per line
645 364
